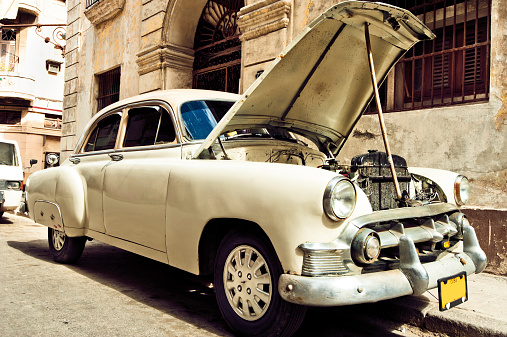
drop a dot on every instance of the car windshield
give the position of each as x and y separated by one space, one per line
8 154
200 117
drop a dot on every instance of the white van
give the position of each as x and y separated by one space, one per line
11 176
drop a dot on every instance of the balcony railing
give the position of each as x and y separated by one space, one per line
53 123
91 2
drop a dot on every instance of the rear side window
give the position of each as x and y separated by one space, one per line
149 126
103 137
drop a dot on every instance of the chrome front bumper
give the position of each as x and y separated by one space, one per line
413 278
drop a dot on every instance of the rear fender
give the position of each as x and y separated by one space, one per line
59 194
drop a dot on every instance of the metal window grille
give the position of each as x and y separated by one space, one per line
453 68
109 88
91 2
217 62
8 58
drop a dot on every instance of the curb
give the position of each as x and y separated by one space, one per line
418 311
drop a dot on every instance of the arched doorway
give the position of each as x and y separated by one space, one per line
217 62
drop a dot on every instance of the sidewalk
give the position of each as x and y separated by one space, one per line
484 314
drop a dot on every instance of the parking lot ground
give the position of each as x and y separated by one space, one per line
116 293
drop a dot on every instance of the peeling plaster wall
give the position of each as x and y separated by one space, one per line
470 139
93 49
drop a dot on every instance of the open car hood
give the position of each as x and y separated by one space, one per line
320 85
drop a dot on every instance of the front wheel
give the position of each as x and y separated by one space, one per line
246 286
63 248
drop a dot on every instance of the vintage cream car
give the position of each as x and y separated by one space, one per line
247 188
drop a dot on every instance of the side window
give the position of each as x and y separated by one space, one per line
103 137
149 126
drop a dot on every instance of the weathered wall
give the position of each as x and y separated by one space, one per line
470 139
93 49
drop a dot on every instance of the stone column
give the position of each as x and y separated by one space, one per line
265 33
162 65
165 66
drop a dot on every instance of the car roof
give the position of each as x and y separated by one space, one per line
174 97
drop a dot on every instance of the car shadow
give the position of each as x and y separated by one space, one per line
169 290
191 298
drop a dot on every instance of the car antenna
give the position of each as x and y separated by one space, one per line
380 115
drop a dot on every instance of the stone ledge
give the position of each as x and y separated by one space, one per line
165 56
104 10
263 17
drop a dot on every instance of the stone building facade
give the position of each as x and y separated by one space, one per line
32 78
446 102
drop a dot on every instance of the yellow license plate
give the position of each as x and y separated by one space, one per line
452 291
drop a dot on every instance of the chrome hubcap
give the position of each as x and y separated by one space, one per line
247 283
58 239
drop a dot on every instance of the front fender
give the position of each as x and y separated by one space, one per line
285 201
444 179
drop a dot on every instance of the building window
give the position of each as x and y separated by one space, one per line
451 69
8 57
109 88
10 117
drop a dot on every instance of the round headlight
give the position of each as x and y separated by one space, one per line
461 190
339 198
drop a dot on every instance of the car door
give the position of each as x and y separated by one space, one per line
136 180
90 161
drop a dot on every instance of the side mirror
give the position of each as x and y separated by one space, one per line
33 162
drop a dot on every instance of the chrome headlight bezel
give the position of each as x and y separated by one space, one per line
338 187
461 190
366 246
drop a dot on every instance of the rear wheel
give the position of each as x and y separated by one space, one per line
246 285
63 248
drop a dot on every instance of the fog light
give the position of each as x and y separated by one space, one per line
372 247
365 246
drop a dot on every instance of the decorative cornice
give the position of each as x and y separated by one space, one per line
165 56
104 10
263 17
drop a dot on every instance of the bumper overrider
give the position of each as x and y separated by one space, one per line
412 277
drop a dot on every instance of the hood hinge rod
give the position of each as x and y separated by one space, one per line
380 115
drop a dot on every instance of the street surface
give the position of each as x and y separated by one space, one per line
111 292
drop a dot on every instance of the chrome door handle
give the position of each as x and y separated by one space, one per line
116 156
74 160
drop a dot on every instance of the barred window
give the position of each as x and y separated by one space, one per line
451 69
109 88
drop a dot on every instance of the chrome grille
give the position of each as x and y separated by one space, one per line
323 263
